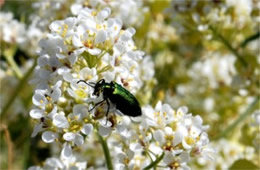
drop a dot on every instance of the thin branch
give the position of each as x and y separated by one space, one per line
18 88
242 117
229 46
106 151
154 163
9 146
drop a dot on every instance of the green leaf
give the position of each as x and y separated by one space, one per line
92 60
243 164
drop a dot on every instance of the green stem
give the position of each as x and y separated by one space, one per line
14 66
106 152
242 117
154 163
18 88
250 38
229 46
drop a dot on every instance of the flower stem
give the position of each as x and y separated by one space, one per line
154 163
18 88
106 152
14 66
9 145
240 119
229 46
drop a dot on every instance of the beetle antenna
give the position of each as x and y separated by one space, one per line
86 83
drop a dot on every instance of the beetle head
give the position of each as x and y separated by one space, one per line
99 87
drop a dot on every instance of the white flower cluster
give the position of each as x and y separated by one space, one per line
15 33
131 12
227 152
175 135
12 31
210 69
88 47
55 163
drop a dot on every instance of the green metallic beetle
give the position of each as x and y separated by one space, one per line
116 94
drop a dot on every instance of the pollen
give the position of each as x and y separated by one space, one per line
63 34
48 98
99 26
94 13
159 121
75 127
168 144
176 164
190 140
170 138
81 93
164 114
41 101
89 77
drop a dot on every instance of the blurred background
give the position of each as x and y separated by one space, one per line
206 56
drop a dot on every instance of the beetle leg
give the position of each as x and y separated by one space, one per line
96 105
108 107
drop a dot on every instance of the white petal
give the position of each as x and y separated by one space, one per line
35 168
178 137
168 158
73 58
36 113
101 37
158 106
39 99
68 77
76 41
87 129
42 60
60 121
130 31
63 70
75 8
159 136
94 51
49 137
103 14
185 157
44 74
66 152
37 128
54 162
56 94
104 131
79 140
69 136
56 25
182 110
